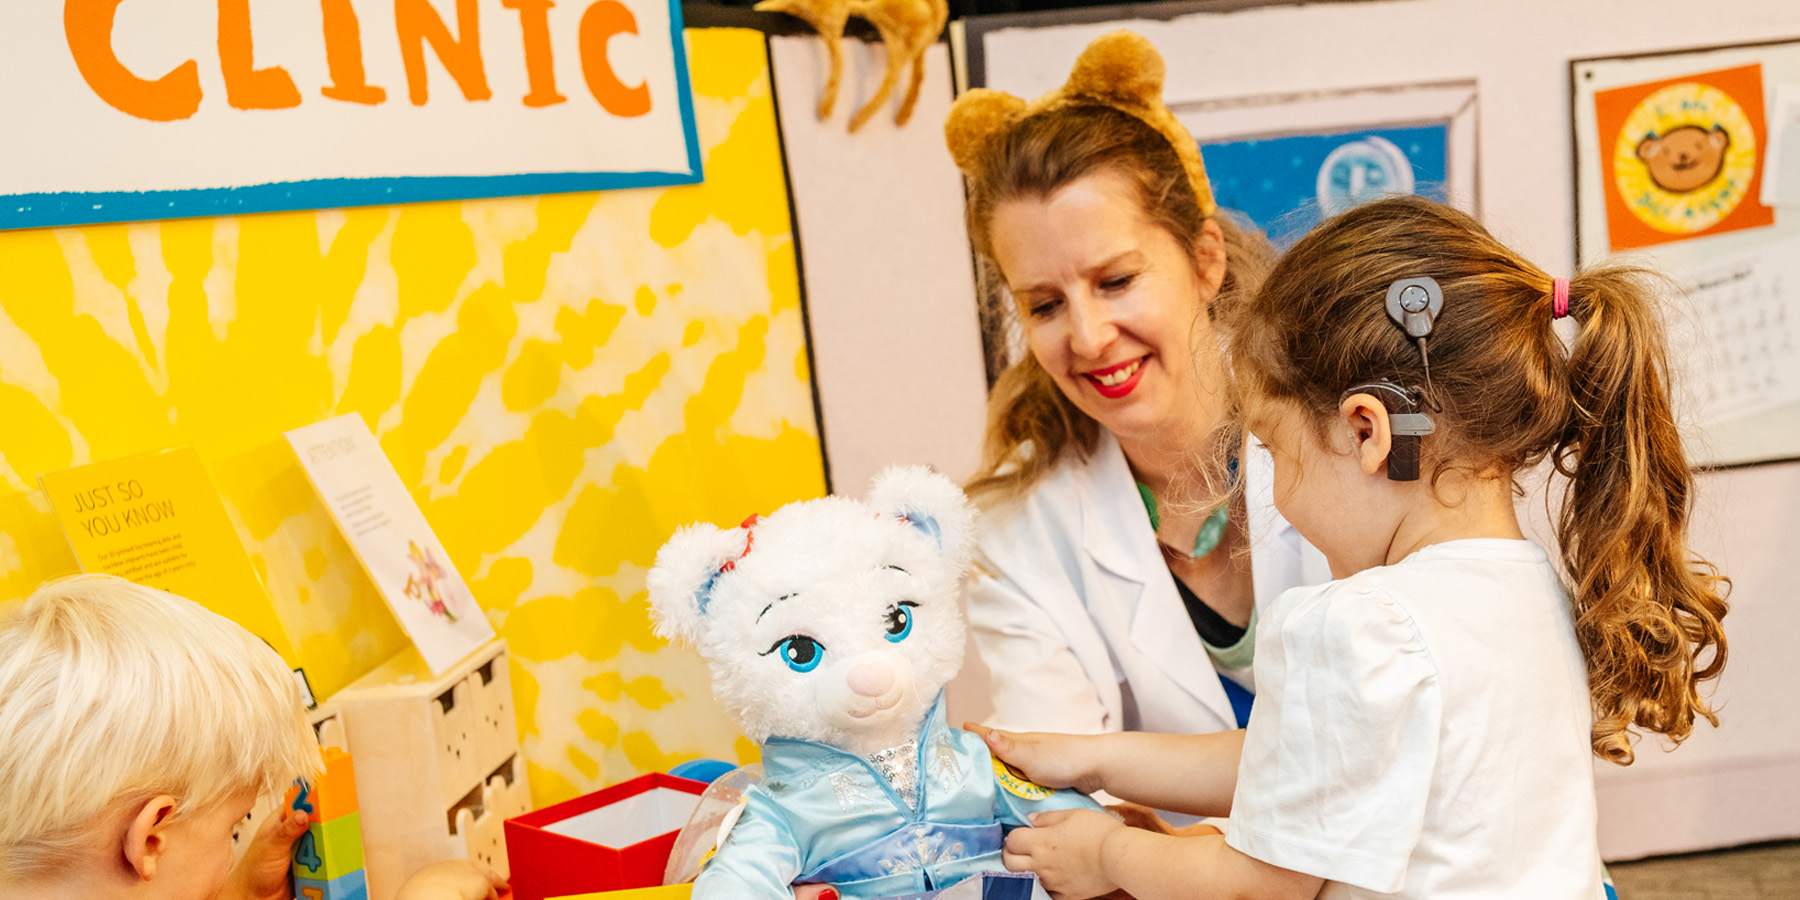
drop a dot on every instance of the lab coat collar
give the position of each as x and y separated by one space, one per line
1116 534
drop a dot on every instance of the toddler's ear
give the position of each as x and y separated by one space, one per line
931 503
681 582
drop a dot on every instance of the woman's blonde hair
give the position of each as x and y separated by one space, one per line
1031 424
112 693
1647 609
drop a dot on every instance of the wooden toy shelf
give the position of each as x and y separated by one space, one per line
438 768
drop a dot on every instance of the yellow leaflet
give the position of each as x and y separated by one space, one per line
155 518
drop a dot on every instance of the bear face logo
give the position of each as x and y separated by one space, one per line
1686 158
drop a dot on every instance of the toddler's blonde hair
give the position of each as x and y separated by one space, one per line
112 693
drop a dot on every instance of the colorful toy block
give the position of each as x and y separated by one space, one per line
330 850
351 886
329 856
333 794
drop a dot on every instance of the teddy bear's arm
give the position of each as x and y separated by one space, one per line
758 861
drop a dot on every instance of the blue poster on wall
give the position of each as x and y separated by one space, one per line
1286 185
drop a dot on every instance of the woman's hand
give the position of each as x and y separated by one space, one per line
454 879
1064 848
1052 760
262 873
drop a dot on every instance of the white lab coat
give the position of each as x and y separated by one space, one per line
1078 620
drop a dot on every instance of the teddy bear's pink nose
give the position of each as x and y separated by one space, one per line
871 679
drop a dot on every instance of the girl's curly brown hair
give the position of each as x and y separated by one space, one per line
1647 609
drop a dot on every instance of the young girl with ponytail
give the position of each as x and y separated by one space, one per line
1425 723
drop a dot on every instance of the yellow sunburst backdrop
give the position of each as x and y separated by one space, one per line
564 380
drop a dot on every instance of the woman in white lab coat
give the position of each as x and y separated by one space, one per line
1112 590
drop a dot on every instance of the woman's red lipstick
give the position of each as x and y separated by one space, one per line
1119 388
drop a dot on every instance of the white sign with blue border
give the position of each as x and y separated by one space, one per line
125 110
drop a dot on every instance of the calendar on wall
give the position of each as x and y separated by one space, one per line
1740 341
1679 166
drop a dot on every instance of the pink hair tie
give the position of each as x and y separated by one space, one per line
1559 298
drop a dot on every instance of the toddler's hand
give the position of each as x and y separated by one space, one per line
262 873
1063 848
1052 760
454 879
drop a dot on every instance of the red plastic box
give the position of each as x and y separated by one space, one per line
610 840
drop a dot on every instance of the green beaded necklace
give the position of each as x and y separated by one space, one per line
1211 531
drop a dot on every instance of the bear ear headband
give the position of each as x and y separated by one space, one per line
1120 70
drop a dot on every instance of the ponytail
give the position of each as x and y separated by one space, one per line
1647 609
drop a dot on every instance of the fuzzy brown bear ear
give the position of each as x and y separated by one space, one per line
975 119
1121 65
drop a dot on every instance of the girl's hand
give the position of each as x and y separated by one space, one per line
454 879
1064 848
1052 760
262 873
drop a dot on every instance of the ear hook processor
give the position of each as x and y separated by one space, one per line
1407 422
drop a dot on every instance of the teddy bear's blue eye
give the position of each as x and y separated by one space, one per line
801 653
900 621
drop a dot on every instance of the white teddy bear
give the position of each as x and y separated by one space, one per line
830 628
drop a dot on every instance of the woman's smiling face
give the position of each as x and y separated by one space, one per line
1112 304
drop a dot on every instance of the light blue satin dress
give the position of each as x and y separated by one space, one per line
827 816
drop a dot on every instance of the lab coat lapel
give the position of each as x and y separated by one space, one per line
1117 536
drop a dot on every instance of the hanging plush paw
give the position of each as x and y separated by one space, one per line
906 28
827 17
940 14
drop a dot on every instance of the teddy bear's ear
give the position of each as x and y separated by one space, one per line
1120 64
975 118
682 580
929 502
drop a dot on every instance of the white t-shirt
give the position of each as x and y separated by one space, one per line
1422 730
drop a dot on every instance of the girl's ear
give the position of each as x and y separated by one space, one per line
929 502
682 581
1371 434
